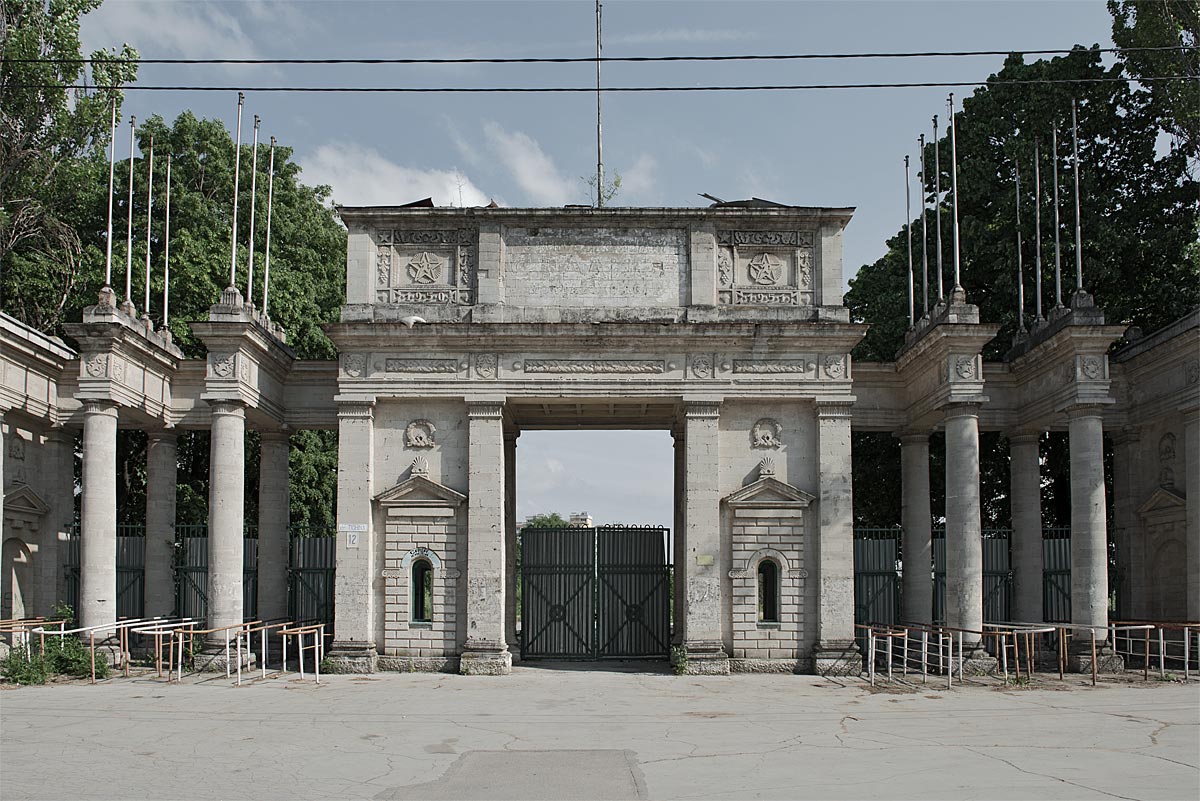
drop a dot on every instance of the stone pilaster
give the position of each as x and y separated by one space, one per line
354 648
98 516
510 535
485 651
273 519
964 547
836 652
1025 494
226 521
1127 533
703 557
1089 536
161 469
1191 455
916 519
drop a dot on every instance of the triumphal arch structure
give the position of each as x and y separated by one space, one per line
724 326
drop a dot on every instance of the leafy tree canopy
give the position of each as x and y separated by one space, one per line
549 520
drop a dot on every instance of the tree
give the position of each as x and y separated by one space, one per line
52 139
549 520
1139 240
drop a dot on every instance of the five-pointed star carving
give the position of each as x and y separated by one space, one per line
425 268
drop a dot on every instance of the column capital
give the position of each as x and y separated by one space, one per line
1024 435
511 436
701 409
832 408
952 410
355 410
485 409
909 437
226 407
274 436
1084 410
105 407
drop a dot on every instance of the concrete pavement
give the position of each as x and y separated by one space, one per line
575 734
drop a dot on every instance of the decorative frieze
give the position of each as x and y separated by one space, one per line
776 238
425 267
799 367
421 365
570 366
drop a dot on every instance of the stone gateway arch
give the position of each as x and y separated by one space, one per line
724 326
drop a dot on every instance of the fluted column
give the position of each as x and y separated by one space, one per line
226 517
1025 495
98 516
1089 536
917 535
703 557
485 650
836 651
273 519
355 580
964 549
161 490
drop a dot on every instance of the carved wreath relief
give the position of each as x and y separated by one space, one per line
425 267
419 434
765 268
765 434
354 365
1091 367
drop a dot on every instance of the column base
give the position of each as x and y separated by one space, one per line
481 658
1079 659
837 658
702 658
978 662
351 657
211 658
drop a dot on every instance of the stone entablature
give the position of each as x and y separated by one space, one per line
588 265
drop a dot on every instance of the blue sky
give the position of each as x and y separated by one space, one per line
826 148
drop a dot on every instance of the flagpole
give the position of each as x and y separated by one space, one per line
253 204
1078 227
112 157
237 164
954 188
149 219
1057 246
908 234
937 199
129 231
1037 226
167 245
1020 264
924 233
270 200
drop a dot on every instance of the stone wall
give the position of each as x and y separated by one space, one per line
410 535
777 535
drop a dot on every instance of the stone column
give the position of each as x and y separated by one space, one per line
1191 455
836 652
703 562
485 651
917 521
1025 496
964 547
98 516
226 522
510 535
161 468
1089 532
273 520
355 581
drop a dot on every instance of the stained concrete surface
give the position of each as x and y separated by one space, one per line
575 734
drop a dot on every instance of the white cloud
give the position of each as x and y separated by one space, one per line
638 183
533 170
362 176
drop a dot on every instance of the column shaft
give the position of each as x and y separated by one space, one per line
836 651
1089 539
704 560
98 516
964 548
916 518
161 468
485 649
355 579
226 516
273 520
1025 495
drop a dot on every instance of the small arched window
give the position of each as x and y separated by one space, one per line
768 591
422 591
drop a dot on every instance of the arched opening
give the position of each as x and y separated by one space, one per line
422 591
15 561
768 591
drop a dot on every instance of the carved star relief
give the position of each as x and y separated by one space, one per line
765 269
425 268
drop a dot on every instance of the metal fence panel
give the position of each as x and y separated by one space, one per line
559 611
876 578
1056 575
311 576
632 592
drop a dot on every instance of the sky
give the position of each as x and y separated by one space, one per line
817 148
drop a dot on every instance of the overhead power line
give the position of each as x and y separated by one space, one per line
608 89
592 59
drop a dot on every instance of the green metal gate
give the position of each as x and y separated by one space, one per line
594 593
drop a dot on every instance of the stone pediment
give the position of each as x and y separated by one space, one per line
1163 502
769 493
420 491
24 508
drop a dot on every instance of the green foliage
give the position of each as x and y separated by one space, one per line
550 520
610 190
64 656
21 668
64 612
51 153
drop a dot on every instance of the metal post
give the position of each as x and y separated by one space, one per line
129 231
112 158
167 247
1037 225
954 188
924 233
237 167
253 205
924 656
908 234
1057 245
1162 661
1020 265
937 192
1078 229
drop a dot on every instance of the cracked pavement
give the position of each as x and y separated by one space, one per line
578 734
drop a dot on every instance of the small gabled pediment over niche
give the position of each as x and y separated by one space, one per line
769 493
1163 502
420 491
24 501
